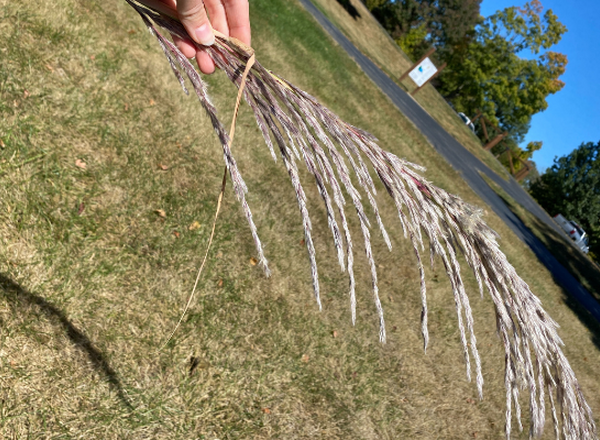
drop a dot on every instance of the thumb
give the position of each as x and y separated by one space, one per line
193 17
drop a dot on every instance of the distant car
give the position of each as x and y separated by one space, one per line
467 121
573 230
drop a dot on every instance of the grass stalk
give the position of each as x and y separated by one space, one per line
302 130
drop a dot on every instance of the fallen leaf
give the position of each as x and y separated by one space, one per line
2 145
80 164
334 334
266 410
126 107
302 242
26 94
197 364
220 283
305 358
92 57
176 234
194 226
161 213
163 167
253 261
131 31
219 254
152 102
49 67
194 361
81 208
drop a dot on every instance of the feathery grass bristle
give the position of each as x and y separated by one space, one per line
302 130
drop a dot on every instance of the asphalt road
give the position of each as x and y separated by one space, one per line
468 166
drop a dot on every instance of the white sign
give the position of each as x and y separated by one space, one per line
423 72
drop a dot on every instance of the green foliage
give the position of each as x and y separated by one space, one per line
374 4
532 176
532 147
511 143
488 74
572 187
419 24
485 71
413 39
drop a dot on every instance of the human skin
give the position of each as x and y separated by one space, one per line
229 17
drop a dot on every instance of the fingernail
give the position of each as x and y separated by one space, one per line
205 35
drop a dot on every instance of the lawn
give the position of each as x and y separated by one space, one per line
109 177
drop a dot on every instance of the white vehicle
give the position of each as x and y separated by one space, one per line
467 121
573 230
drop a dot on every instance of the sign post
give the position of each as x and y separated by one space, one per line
495 141
405 74
425 75
422 71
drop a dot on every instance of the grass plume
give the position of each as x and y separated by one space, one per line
336 154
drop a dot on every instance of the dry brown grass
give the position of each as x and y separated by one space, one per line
87 298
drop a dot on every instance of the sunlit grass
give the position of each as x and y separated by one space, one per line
89 293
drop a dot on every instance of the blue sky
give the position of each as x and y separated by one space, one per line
572 116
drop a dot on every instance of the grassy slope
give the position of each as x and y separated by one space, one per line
93 280
364 31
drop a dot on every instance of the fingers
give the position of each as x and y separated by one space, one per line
193 17
230 17
238 19
185 46
206 65
218 17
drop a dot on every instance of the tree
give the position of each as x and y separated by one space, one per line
519 155
572 187
485 71
488 74
419 24
531 177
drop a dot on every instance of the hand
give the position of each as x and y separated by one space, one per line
230 17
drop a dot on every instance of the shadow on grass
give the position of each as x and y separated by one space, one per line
574 295
575 261
578 264
16 294
577 276
349 8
